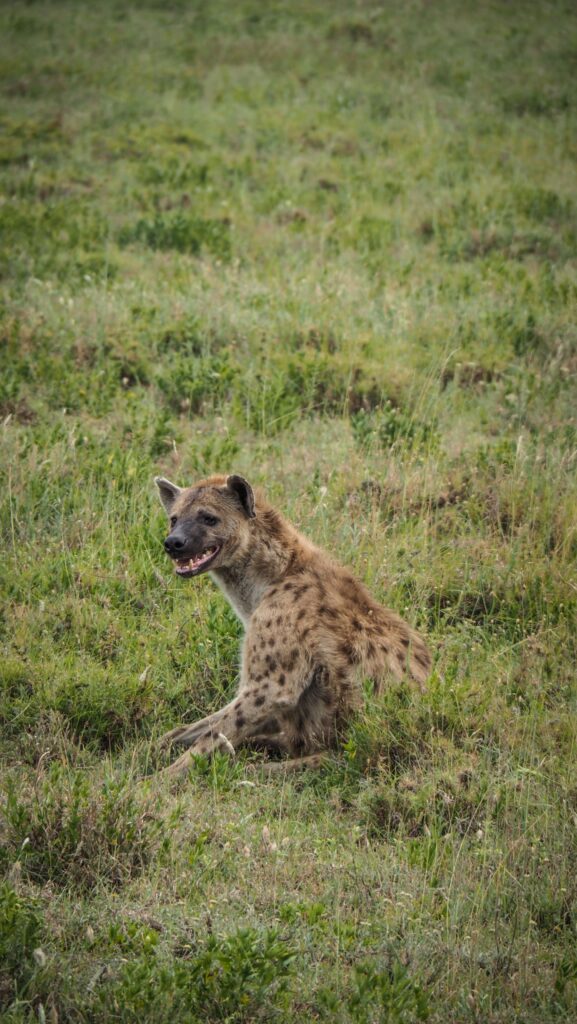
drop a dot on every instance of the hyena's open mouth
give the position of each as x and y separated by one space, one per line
197 564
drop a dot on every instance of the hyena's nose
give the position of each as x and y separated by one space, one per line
173 544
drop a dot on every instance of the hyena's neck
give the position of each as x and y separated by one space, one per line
242 590
271 552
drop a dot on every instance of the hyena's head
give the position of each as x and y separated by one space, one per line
209 523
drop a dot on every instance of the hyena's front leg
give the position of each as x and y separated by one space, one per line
186 735
239 721
273 680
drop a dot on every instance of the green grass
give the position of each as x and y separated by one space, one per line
333 248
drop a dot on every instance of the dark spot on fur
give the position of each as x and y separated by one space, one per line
265 686
281 679
347 651
240 720
272 665
291 659
268 624
262 643
356 624
278 620
259 701
301 614
271 641
405 641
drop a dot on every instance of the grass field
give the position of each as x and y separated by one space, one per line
332 247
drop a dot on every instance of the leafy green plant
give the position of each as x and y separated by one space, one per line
229 979
388 995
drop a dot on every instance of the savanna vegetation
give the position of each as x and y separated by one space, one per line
330 246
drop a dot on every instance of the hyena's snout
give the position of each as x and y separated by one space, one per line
175 543
191 555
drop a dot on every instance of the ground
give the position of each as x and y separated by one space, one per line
332 247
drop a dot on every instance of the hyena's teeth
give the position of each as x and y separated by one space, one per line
187 564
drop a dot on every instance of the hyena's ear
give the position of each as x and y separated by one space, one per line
168 492
243 491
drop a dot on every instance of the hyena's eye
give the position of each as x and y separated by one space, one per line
173 520
208 519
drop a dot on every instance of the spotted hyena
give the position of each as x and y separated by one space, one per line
312 631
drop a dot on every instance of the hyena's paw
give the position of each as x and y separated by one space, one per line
186 735
293 764
177 737
179 768
203 746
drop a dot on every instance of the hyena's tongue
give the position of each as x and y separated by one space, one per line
188 564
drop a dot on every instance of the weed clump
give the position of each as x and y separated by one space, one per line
65 831
182 233
392 426
21 931
389 737
410 808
